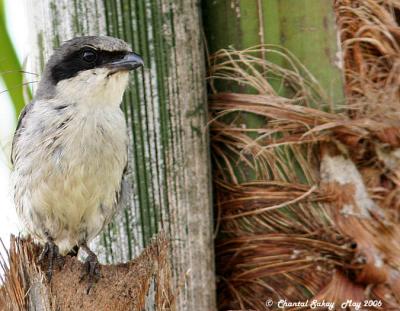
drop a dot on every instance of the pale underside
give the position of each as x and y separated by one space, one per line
69 158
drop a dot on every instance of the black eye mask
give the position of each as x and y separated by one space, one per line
81 60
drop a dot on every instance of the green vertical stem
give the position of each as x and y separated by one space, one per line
10 67
308 30
305 27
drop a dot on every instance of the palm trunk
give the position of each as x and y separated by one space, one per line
256 173
306 28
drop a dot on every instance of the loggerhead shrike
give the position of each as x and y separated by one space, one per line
70 147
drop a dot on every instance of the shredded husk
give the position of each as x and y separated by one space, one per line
307 195
143 283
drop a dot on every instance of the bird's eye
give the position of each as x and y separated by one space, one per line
89 56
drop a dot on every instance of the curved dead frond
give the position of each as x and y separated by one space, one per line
370 41
307 197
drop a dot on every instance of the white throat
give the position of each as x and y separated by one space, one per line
93 88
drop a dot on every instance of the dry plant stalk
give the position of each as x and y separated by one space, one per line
142 282
308 205
370 34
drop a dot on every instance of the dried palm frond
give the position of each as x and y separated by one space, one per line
307 196
370 37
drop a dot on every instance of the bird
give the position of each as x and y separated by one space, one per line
69 150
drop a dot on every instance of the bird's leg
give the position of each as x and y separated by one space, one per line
50 250
91 267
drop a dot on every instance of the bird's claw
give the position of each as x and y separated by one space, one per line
51 251
91 269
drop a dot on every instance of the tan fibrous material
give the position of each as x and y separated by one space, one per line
308 197
144 281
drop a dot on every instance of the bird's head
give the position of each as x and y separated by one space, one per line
91 70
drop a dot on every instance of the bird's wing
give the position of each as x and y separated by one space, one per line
123 194
18 130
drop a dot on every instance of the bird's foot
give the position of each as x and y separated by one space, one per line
51 251
91 269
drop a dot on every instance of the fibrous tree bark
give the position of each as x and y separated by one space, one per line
143 283
166 114
258 161
307 223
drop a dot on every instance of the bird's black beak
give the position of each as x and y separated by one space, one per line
130 61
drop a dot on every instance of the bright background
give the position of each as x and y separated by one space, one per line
18 29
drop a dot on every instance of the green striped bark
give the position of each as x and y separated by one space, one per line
166 112
306 28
